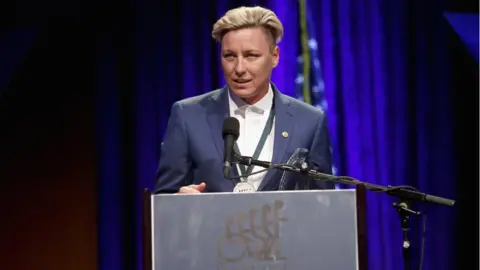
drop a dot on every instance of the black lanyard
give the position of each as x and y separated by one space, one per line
266 131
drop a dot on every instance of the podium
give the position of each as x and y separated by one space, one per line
294 230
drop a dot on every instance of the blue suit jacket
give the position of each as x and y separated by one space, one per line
192 149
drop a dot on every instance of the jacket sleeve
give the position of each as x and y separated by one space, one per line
320 157
175 164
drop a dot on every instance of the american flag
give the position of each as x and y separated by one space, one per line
310 86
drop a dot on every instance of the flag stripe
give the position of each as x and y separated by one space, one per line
305 52
309 82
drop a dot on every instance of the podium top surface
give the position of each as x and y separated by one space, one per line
262 193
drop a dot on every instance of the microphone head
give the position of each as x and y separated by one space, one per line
231 126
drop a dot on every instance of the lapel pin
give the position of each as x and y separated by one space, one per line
285 134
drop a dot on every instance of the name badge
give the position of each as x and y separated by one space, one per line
243 187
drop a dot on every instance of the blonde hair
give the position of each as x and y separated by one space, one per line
249 17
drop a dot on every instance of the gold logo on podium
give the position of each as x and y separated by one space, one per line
252 239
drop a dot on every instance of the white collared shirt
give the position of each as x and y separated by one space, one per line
252 120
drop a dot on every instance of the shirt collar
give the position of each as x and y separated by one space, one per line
237 105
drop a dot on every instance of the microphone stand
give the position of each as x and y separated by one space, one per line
405 195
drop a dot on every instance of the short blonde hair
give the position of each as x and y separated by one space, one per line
249 17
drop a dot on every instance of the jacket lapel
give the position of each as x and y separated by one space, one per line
217 111
284 127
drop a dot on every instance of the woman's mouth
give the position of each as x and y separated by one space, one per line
241 81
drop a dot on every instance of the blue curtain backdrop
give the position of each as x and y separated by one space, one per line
386 67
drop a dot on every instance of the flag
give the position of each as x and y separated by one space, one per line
310 86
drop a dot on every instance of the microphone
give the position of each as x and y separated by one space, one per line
230 133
